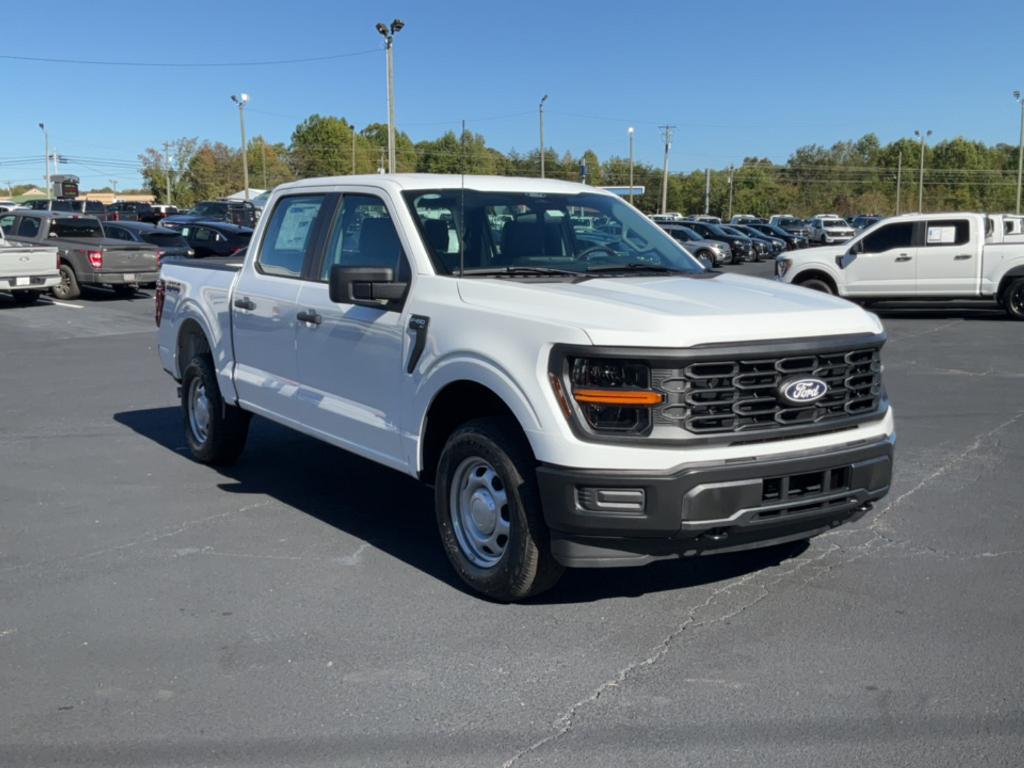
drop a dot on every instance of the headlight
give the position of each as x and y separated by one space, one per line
611 395
782 266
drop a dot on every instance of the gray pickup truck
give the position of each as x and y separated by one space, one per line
87 256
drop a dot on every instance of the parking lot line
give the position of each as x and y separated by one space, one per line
63 304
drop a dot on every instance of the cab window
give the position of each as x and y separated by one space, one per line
28 227
947 232
897 235
289 235
7 223
364 235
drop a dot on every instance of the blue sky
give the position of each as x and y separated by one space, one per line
739 79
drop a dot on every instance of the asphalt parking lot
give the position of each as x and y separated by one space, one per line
297 609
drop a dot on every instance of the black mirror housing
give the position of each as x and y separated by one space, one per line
367 286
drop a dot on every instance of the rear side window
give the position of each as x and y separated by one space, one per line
365 236
93 206
289 235
75 228
899 235
28 227
947 232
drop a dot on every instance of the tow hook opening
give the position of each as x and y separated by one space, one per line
716 534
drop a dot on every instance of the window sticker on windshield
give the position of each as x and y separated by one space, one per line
941 235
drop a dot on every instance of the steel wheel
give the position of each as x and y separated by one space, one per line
198 411
478 507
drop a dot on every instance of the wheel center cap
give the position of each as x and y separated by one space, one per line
484 514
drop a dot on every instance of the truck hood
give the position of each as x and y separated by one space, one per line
661 311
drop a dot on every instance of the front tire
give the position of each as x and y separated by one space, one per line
68 287
818 285
489 513
215 431
1014 302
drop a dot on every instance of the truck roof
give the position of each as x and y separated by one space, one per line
410 181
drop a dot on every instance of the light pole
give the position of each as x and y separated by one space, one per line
113 186
920 185
667 132
241 100
46 158
899 180
631 132
388 34
541 108
1020 149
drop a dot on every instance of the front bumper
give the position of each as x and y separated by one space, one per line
603 518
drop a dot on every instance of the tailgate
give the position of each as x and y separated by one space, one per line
129 258
21 261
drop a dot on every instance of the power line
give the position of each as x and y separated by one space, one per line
189 65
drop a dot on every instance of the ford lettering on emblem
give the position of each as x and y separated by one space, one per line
802 391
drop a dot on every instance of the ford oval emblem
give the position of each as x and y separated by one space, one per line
802 391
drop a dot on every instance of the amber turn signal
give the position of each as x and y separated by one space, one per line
634 398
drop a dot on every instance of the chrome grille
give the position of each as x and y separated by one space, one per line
723 396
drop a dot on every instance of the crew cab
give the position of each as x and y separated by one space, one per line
921 256
86 255
577 398
25 270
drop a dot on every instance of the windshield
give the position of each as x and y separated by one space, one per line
503 231
834 223
76 228
165 239
93 206
63 205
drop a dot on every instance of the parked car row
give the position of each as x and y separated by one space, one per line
122 255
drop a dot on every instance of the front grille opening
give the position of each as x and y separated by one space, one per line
807 484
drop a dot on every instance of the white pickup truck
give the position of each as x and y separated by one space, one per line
577 397
26 271
922 257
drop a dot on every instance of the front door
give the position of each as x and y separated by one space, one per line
264 309
350 356
884 262
947 260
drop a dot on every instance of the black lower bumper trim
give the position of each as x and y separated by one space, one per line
601 518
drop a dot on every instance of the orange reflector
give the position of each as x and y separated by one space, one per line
635 398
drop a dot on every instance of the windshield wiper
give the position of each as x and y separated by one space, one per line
636 267
523 271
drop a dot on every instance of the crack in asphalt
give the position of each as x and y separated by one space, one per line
565 721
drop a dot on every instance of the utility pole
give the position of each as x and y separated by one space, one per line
631 132
899 179
920 185
240 100
46 158
167 170
541 109
388 34
113 186
1020 149
667 133
730 192
707 191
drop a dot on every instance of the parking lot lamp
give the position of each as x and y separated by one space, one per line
631 133
541 109
46 158
388 33
1020 149
240 100
920 184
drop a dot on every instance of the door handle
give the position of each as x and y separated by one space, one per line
961 256
310 316
245 303
903 257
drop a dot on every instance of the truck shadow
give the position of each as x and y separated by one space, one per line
395 513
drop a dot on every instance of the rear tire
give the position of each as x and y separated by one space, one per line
1014 299
818 285
25 297
489 513
215 431
68 287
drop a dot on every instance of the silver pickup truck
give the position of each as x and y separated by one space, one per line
26 270
86 254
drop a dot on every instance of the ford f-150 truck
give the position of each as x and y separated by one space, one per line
87 255
25 270
921 257
576 397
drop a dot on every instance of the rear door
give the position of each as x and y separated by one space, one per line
884 262
949 257
350 358
264 307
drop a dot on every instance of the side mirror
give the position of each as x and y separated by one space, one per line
366 286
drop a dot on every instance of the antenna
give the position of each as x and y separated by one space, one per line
462 203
